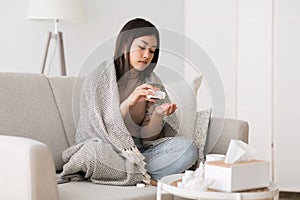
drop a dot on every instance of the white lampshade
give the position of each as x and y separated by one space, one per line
55 9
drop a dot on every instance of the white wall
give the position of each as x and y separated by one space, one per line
237 36
255 46
214 29
287 94
23 41
254 94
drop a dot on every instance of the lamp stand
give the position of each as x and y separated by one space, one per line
58 38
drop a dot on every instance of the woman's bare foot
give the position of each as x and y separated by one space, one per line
153 182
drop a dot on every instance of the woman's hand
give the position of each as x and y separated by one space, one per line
139 94
166 109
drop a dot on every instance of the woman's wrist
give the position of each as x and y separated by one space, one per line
155 113
124 107
159 111
128 102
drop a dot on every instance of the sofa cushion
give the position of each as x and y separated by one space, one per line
63 93
200 132
86 190
66 91
184 94
28 109
222 131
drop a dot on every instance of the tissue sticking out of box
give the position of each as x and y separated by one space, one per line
239 151
194 180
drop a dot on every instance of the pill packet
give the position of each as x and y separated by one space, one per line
158 95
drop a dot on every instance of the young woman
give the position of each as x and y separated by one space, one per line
139 132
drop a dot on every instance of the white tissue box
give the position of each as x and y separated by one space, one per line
238 176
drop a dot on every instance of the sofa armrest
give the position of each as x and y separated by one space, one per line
232 129
27 170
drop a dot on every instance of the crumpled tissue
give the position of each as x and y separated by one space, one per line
239 151
194 180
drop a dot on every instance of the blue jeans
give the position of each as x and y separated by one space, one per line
170 157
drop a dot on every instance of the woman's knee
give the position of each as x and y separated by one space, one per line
186 150
190 154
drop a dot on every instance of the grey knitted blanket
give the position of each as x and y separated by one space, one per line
104 151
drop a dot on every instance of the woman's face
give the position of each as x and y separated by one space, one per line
142 52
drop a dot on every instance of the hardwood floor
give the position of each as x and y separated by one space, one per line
289 196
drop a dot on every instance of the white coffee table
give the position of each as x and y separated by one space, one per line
164 186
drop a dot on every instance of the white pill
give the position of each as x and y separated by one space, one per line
140 185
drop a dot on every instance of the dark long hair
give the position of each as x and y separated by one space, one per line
131 30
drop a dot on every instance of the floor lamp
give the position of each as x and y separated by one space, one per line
55 10
57 37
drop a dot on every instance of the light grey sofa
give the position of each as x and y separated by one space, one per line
40 108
